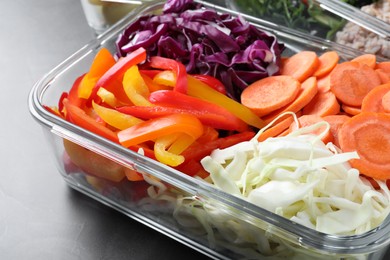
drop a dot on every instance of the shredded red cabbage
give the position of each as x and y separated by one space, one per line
206 42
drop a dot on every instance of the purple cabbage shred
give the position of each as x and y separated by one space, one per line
206 42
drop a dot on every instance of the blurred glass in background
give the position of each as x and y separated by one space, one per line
101 15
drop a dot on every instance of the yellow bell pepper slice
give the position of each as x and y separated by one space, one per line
162 153
198 89
135 88
108 97
166 78
115 118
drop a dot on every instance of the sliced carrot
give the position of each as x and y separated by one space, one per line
307 92
350 110
301 65
307 120
383 65
271 93
372 102
383 75
369 135
323 83
277 128
368 59
328 61
335 122
351 81
386 102
323 104
285 132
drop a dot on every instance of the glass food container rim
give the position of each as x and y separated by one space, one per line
367 242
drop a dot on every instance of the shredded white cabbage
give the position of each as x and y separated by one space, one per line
303 179
296 176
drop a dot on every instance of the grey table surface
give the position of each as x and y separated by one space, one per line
40 216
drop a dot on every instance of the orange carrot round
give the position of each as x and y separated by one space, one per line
368 59
323 83
383 75
271 93
350 110
383 65
368 133
323 104
386 102
372 102
279 127
307 120
307 92
328 61
351 81
301 65
336 122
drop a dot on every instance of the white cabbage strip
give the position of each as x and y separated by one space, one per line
301 178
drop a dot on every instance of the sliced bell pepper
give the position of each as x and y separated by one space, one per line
149 72
161 147
209 119
211 82
154 128
166 78
176 99
199 150
109 98
135 87
133 175
115 118
152 86
182 142
54 111
93 163
192 168
178 68
118 70
102 62
197 88
73 96
209 134
78 117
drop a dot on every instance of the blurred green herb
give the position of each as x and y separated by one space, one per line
298 14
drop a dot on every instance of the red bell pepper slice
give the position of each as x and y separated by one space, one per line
192 168
117 71
54 111
208 119
199 150
73 96
78 117
176 99
211 82
178 68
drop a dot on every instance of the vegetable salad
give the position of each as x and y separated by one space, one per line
287 142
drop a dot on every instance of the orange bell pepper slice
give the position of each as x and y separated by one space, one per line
102 62
118 70
165 125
